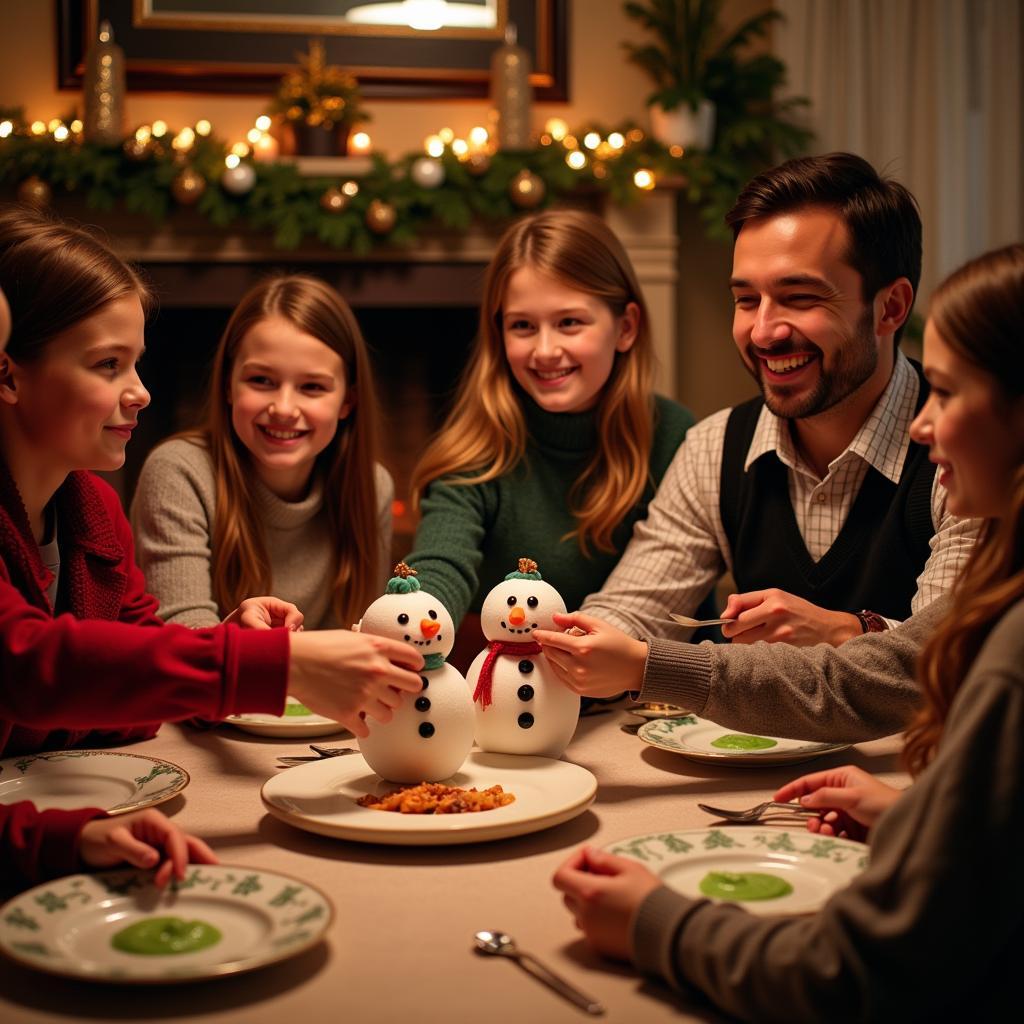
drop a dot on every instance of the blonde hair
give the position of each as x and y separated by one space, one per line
241 566
484 436
978 312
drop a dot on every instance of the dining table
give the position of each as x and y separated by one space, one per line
400 947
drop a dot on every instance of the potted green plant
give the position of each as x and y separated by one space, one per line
692 62
319 103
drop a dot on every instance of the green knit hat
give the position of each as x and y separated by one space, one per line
404 580
527 571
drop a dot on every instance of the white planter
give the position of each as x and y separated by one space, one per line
684 127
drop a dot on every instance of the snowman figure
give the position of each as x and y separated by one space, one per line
431 733
521 706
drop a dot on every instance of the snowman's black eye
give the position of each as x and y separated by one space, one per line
511 601
532 602
432 613
403 619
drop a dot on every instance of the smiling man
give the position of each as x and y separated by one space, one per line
812 495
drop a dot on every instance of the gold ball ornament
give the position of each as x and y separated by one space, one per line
34 192
380 217
334 201
188 186
527 190
478 164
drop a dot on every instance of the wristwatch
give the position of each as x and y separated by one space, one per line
871 622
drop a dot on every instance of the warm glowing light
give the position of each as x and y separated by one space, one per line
616 140
591 140
38 127
676 151
253 135
556 128
6 127
143 134
360 144
159 129
266 149
571 142
60 133
240 149
350 188
263 123
76 126
433 145
460 147
203 127
232 160
478 136
54 124
644 179
447 136
635 135
184 139
576 159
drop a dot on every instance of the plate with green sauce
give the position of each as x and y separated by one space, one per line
116 926
296 722
703 740
765 871
66 779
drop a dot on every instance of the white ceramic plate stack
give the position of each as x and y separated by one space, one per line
301 723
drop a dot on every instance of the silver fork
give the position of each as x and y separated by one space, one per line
758 812
321 754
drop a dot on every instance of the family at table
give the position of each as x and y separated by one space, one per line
869 510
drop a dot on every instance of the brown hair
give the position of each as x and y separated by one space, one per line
880 214
484 436
978 312
241 566
54 276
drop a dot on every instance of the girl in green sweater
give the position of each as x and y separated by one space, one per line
555 442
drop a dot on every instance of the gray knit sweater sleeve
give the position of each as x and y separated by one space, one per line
172 518
858 691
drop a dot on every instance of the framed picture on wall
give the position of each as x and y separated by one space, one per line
424 49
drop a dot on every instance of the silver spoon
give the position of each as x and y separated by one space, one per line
499 944
686 620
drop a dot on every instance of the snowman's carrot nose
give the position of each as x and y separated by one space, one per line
429 628
517 616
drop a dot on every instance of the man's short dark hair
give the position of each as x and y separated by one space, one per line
880 214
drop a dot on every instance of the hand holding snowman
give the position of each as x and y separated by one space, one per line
521 706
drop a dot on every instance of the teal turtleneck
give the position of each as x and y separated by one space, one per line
471 537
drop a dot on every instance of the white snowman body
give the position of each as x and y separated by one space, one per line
531 710
432 731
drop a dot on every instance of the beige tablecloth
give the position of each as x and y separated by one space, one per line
399 949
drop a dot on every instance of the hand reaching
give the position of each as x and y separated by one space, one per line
850 799
602 663
266 613
603 893
142 839
347 676
777 617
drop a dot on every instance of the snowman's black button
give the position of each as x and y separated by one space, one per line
426 730
526 666
422 703
425 681
525 692
525 720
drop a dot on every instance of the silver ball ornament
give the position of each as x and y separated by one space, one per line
427 172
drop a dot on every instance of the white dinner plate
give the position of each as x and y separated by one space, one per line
66 927
109 779
321 797
815 866
694 737
305 723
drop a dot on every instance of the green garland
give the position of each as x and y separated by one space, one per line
287 205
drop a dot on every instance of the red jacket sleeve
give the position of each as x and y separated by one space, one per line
37 845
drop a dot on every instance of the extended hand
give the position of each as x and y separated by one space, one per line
347 676
141 838
266 613
603 893
602 663
777 617
850 799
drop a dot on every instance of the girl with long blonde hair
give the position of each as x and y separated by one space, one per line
945 854
555 442
279 491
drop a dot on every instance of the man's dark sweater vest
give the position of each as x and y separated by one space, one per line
878 555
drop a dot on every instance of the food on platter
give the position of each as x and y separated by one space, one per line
436 798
